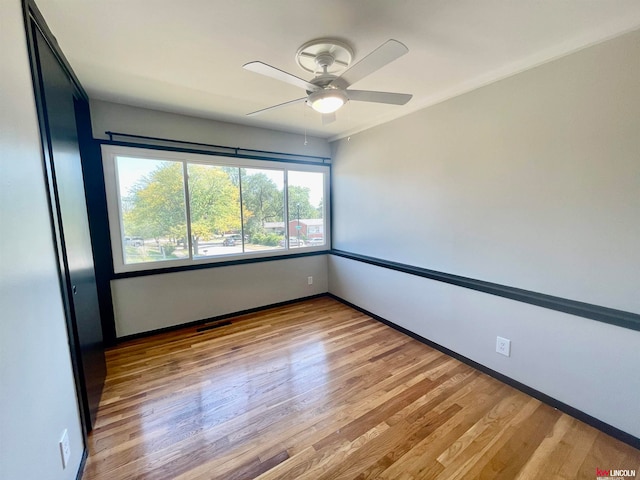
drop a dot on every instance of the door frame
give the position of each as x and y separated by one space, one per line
35 23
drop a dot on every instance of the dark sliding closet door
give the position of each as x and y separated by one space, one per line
58 103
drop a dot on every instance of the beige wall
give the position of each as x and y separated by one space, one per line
37 393
531 182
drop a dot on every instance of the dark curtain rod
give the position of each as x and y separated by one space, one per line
235 150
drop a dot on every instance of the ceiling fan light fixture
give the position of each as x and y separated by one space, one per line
327 101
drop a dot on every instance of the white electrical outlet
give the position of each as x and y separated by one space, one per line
310 280
503 346
65 449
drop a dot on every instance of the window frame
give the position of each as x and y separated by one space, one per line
116 227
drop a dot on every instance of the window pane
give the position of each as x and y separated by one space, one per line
263 209
152 210
306 211
168 209
214 205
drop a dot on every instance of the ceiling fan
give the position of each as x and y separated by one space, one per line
327 92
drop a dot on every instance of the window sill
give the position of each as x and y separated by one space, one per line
208 263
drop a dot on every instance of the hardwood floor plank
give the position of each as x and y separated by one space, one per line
295 463
352 400
567 458
420 454
472 459
605 455
513 455
375 416
316 390
254 469
539 464
505 409
384 444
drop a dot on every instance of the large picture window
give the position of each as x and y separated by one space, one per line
172 209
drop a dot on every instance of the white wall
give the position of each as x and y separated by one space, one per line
531 182
152 302
158 301
107 116
37 393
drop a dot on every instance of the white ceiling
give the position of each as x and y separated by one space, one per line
186 56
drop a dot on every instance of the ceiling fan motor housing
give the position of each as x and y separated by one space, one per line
325 81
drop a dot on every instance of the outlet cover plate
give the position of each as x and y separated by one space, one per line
503 346
65 448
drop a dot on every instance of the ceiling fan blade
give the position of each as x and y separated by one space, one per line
328 118
381 56
273 72
379 97
291 102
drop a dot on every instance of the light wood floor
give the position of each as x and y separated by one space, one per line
316 390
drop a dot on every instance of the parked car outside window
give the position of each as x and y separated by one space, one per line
238 238
134 241
293 242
